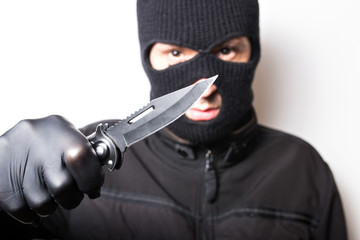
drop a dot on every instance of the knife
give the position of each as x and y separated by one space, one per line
110 142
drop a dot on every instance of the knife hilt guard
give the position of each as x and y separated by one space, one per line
105 149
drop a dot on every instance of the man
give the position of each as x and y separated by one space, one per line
212 174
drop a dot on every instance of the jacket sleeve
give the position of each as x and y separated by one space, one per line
332 224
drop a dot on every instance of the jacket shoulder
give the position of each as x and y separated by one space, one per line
290 153
280 139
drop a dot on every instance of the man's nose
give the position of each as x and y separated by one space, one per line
209 91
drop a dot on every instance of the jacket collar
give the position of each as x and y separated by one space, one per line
228 152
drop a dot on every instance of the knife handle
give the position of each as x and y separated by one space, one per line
105 148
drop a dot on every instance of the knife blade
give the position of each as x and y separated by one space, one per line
110 142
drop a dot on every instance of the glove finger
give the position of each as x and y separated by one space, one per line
17 208
85 167
80 158
62 187
37 195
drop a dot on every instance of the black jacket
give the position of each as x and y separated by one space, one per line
260 184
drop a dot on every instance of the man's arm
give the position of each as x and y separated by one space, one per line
332 225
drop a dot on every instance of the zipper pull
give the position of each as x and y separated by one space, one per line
211 181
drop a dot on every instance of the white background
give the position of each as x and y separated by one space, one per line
81 59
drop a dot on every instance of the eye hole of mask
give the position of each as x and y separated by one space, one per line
236 50
163 55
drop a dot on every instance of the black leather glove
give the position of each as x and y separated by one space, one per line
45 163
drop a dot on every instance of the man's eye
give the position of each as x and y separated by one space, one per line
225 51
175 53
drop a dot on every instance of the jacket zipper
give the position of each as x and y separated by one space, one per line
210 177
210 182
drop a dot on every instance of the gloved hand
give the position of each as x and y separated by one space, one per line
45 163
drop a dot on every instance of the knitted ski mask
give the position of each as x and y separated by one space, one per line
202 25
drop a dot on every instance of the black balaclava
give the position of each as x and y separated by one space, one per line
202 25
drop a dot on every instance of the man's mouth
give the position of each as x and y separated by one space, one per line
207 107
196 114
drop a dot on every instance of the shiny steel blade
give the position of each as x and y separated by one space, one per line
159 113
